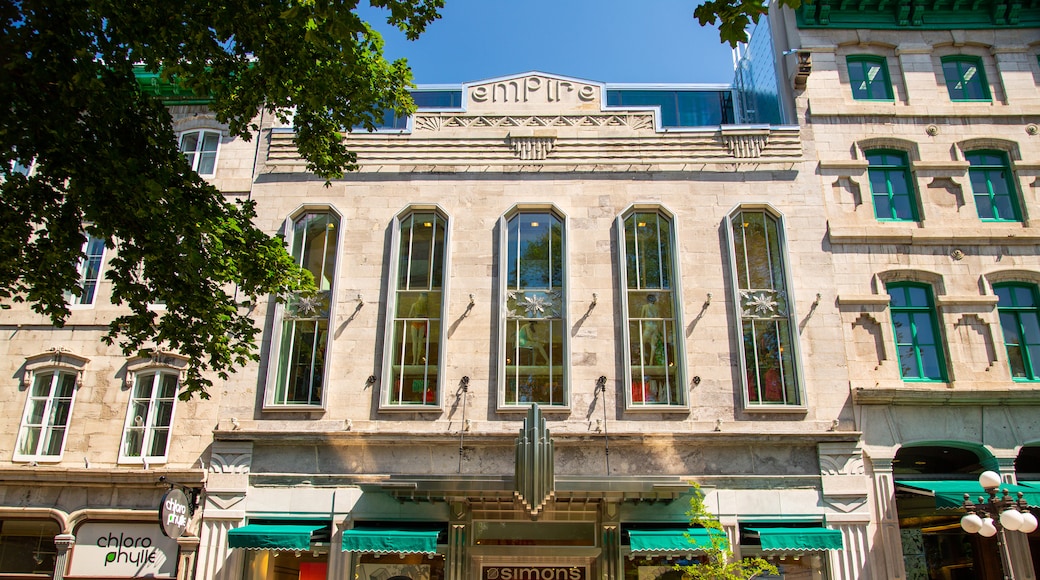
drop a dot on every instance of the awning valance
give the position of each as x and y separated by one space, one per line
799 539
949 494
671 541
390 541
272 537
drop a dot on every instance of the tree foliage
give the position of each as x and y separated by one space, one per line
734 16
719 563
106 161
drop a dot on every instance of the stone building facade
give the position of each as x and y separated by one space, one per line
922 123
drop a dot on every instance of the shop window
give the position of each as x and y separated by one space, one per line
89 272
654 336
996 197
27 547
891 185
868 76
765 310
45 422
918 341
534 325
400 567
965 78
1020 319
200 149
297 375
413 357
149 418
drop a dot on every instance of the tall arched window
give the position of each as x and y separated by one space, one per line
765 308
412 358
297 378
653 341
916 326
534 335
1019 311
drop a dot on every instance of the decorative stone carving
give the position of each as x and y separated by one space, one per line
438 122
531 148
745 145
230 459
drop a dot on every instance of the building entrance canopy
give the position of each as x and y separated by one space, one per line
272 537
390 541
798 539
949 494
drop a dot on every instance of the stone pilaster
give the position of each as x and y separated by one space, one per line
187 549
223 509
62 542
610 557
889 548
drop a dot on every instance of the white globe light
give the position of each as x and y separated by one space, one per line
971 523
1011 519
988 530
989 479
1029 523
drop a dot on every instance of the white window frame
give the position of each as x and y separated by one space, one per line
792 310
197 153
60 362
157 366
74 301
677 310
391 318
279 316
503 300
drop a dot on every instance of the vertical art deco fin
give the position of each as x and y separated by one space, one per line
535 478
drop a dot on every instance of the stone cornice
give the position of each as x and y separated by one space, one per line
46 475
622 148
919 15
942 396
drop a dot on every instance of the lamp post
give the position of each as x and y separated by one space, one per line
1012 514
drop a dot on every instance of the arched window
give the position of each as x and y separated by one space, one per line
52 379
297 376
916 326
154 383
653 341
965 78
534 327
1019 311
200 149
765 310
412 358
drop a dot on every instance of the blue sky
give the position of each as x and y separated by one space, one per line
614 41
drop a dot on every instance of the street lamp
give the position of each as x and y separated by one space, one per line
1013 515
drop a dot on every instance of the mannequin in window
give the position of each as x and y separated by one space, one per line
651 333
530 337
417 328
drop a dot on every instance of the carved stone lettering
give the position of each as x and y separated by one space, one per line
533 91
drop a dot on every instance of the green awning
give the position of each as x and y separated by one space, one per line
799 539
271 537
390 541
671 541
949 494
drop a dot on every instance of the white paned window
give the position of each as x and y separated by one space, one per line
200 149
45 422
146 435
89 272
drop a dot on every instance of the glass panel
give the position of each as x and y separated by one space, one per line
1024 296
189 143
143 385
908 362
922 322
1030 327
30 439
303 346
159 439
930 362
1016 361
55 438
42 384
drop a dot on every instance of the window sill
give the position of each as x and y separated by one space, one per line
152 461
523 407
656 408
919 233
294 408
919 394
411 408
775 408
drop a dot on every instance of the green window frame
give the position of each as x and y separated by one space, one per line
535 361
765 310
868 76
1019 308
654 364
996 197
299 363
891 185
965 78
412 376
918 340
